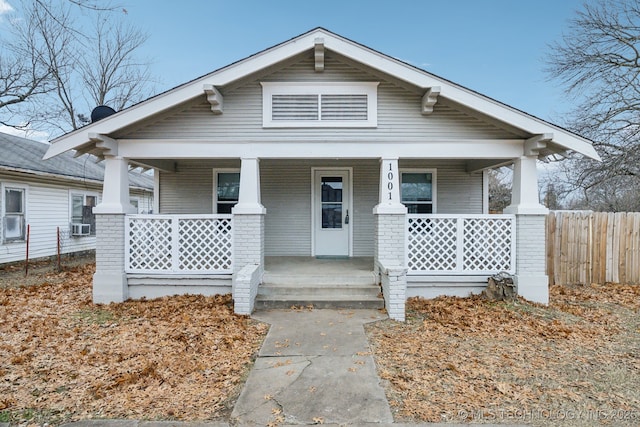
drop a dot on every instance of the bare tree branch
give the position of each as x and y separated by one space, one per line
598 63
56 69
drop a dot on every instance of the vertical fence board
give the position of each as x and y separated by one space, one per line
593 247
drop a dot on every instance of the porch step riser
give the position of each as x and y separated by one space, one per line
345 296
294 291
293 280
268 304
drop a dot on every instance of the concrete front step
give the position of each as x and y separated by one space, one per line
283 279
320 296
265 303
284 291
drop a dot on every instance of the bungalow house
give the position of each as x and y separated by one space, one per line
54 198
313 152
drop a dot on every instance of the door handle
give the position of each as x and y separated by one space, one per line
346 218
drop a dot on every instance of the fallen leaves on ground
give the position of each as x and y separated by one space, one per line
466 359
181 357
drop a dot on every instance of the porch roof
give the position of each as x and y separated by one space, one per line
546 138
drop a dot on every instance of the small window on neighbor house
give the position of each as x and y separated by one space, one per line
320 104
418 192
227 191
135 204
82 211
14 214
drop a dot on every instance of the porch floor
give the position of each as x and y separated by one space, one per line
321 282
313 271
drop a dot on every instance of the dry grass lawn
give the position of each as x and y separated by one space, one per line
63 358
576 362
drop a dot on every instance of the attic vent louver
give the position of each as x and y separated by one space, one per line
320 104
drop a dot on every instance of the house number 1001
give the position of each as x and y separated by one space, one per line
390 180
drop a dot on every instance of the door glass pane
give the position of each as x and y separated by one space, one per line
14 201
416 187
331 201
331 189
332 215
228 186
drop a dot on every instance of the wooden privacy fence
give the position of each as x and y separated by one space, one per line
593 247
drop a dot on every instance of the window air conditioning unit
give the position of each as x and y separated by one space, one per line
80 229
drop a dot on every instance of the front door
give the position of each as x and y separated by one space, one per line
332 212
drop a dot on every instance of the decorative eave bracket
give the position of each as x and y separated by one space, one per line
429 100
319 54
214 97
105 145
533 145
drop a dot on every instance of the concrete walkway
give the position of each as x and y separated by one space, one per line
314 367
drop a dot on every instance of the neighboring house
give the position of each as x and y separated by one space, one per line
320 147
48 195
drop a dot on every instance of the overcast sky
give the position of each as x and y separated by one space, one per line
495 47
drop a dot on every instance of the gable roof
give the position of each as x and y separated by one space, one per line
559 139
25 155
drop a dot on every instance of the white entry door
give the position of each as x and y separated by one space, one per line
332 212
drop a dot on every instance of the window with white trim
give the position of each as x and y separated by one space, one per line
418 190
226 185
319 104
14 209
83 220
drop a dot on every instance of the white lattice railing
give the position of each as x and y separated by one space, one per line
461 244
171 244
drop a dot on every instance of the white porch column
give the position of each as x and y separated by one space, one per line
248 236
390 246
531 277
110 280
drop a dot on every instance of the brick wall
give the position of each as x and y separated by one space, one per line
389 255
531 278
248 240
110 242
530 244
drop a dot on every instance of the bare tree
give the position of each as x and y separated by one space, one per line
598 62
499 189
83 65
113 75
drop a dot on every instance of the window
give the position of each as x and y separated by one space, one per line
227 187
82 213
319 104
13 219
418 190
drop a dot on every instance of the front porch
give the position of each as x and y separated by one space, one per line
413 254
443 254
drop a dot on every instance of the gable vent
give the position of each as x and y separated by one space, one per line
319 104
294 107
344 107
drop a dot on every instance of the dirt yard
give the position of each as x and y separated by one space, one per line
574 363
63 358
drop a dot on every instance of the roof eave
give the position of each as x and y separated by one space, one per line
357 52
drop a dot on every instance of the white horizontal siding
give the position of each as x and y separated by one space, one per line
286 194
189 190
458 192
399 114
47 208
